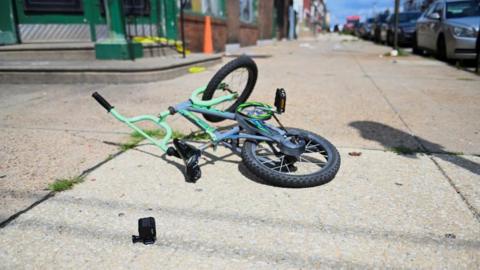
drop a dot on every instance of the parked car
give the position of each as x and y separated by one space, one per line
406 29
377 26
358 29
364 30
449 29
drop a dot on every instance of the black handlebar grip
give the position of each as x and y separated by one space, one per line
102 101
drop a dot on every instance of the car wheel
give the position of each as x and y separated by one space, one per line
415 48
390 39
441 52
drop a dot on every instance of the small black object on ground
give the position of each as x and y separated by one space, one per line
146 230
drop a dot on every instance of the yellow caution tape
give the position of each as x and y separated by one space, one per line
162 40
196 69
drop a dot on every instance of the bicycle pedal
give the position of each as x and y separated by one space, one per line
280 100
191 157
193 172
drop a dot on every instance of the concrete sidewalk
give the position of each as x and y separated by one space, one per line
366 218
382 210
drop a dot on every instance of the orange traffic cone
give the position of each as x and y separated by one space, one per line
207 37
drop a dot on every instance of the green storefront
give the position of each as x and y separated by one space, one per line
108 23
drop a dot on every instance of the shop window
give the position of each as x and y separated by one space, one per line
208 7
247 11
53 6
131 7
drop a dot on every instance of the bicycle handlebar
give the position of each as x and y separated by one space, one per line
102 101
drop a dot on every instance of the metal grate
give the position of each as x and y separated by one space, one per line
54 32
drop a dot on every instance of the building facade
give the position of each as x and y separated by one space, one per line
233 21
316 14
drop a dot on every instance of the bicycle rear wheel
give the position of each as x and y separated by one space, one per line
238 75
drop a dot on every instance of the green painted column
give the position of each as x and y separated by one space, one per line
89 11
171 12
8 30
115 19
116 46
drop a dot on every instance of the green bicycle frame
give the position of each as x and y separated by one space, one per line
184 110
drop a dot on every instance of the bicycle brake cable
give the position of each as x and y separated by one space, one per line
278 121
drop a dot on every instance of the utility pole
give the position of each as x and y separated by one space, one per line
397 8
477 65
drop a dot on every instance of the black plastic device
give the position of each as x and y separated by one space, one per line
280 100
147 233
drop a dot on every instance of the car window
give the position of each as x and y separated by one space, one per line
463 9
439 9
430 10
390 19
383 18
408 17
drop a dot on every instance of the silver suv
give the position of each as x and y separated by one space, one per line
449 29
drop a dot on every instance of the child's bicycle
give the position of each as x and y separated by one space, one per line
287 157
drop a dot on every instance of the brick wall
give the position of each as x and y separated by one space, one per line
248 35
231 29
265 19
194 32
233 20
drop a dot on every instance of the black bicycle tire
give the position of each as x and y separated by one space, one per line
240 62
275 178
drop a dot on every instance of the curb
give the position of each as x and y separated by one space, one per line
100 74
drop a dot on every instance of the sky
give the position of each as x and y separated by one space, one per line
340 9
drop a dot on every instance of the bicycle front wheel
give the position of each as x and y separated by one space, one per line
238 76
317 165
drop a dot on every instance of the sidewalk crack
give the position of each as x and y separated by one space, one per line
51 194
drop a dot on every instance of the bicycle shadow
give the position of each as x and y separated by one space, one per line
392 138
209 159
206 158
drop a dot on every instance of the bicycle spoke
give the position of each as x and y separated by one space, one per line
268 159
309 142
317 162
288 169
312 146
323 153
235 82
280 167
